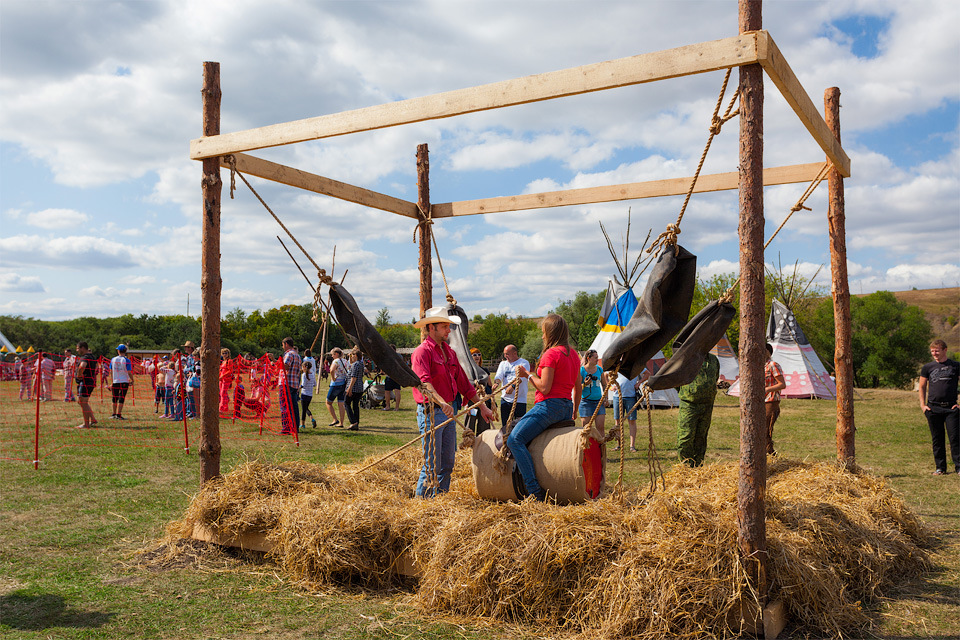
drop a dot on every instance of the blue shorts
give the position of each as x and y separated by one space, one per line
587 407
628 402
336 392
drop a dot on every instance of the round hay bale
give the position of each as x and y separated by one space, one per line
569 474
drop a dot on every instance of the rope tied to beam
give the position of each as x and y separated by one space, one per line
232 161
798 206
426 219
669 237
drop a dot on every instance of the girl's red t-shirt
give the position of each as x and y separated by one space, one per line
566 367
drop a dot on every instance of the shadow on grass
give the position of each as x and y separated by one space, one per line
45 611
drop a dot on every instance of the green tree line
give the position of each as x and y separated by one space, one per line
889 340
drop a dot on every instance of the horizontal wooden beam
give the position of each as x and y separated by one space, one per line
796 96
633 191
253 166
647 67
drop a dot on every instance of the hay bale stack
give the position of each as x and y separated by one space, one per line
664 566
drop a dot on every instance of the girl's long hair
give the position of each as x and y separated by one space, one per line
556 333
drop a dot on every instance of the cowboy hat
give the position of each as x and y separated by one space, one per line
434 315
189 343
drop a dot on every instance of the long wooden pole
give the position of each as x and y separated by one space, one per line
210 284
423 203
751 489
842 357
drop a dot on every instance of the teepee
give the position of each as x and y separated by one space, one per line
618 307
803 371
729 367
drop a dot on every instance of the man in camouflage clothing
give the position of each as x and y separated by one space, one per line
696 409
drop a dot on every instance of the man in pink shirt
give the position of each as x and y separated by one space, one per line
436 364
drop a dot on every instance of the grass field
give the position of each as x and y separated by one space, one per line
70 532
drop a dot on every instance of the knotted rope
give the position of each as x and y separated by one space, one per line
821 175
653 460
587 431
669 237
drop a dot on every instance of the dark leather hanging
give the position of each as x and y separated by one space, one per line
661 312
359 329
693 343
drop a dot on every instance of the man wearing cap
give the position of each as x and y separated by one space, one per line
190 360
436 364
120 366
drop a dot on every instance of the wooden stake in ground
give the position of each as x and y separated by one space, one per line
423 203
842 358
210 285
751 511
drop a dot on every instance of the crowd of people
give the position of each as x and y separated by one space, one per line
567 386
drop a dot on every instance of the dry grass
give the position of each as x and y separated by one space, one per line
665 566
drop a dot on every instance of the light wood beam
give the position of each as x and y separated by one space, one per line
796 96
634 191
647 67
253 166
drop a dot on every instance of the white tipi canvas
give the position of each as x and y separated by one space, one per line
803 371
729 367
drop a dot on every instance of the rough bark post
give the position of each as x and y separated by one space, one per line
840 287
423 202
751 489
210 285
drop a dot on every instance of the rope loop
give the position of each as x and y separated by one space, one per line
665 239
232 161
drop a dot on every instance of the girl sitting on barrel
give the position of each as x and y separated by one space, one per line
556 380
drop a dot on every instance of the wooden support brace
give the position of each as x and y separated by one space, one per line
647 67
775 65
253 166
614 193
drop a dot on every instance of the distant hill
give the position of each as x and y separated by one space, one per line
942 309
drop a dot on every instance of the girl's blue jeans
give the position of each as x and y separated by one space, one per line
544 414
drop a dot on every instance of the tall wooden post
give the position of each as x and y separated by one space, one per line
423 202
842 358
210 284
751 489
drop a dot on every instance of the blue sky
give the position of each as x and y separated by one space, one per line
100 204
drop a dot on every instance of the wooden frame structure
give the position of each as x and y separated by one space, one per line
754 52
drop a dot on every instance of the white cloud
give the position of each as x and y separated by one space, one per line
908 276
137 280
108 292
56 218
74 252
13 283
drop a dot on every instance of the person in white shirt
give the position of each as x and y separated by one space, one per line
506 372
308 379
121 367
338 385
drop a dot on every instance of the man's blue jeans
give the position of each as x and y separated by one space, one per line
544 414
444 450
289 411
